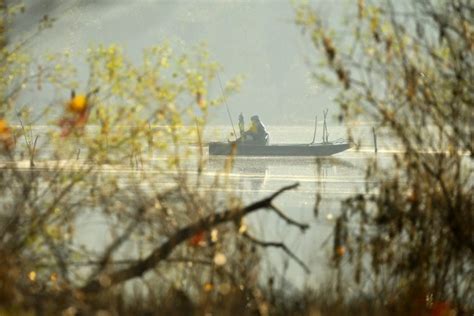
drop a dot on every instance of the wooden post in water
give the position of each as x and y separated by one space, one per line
375 139
315 127
325 127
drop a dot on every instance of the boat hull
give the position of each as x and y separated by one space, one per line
220 149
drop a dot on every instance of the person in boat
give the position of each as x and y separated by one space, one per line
241 124
256 134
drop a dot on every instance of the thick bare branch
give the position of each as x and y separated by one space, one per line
163 251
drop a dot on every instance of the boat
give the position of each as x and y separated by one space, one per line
243 149
246 148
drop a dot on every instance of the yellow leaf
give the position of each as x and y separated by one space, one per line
214 235
220 259
208 287
374 23
53 277
164 62
78 104
32 276
53 231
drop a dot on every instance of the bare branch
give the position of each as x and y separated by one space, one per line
133 261
278 245
162 252
102 264
302 226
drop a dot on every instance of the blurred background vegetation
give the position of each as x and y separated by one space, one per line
407 69
406 247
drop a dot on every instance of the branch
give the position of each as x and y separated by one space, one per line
102 264
133 261
278 245
290 221
162 252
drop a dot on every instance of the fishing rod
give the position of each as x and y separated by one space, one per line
226 106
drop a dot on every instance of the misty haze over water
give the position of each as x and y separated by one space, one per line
255 39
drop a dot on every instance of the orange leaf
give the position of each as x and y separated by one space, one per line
6 137
198 239
78 104
341 251
442 309
71 124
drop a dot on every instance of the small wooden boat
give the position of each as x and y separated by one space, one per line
243 149
246 148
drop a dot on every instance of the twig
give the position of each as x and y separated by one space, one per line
102 264
31 149
281 245
33 152
132 261
375 139
62 264
290 221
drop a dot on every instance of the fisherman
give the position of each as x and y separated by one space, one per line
256 134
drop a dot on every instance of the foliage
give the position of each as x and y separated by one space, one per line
115 153
407 68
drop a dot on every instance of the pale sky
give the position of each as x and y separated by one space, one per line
255 39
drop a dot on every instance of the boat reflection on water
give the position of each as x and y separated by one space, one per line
330 166
259 174
251 172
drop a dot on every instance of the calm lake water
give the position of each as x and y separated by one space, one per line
335 178
253 178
